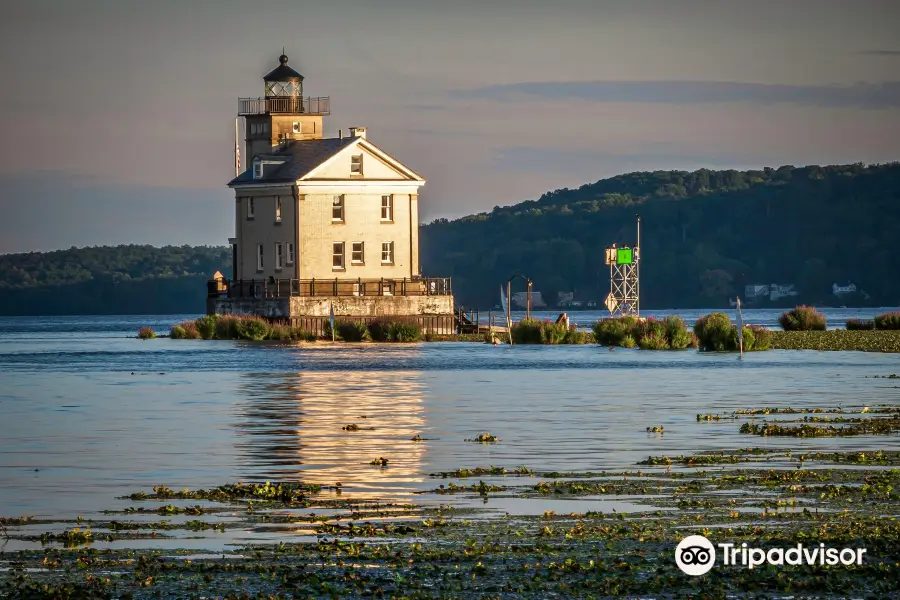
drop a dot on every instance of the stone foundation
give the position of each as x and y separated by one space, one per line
433 313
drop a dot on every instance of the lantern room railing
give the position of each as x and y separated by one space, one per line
285 104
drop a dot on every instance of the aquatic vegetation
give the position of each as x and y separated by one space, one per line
394 329
15 521
417 438
251 329
713 332
874 425
860 324
185 331
554 554
653 341
379 462
655 429
716 417
285 492
888 321
351 427
69 537
803 318
612 332
534 331
647 334
772 410
206 325
485 438
146 333
350 331
716 333
482 471
837 339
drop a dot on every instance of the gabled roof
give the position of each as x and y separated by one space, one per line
303 157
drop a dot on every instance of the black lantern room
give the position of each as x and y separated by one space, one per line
283 81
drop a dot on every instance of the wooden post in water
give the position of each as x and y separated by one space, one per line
740 329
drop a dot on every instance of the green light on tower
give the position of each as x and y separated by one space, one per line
624 256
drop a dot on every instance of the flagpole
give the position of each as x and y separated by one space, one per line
237 149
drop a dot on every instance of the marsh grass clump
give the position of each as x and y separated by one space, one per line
803 318
379 462
394 329
888 321
254 329
226 327
716 333
405 332
860 324
613 331
206 325
146 333
186 330
670 333
351 331
535 331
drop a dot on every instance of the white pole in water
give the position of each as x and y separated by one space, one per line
331 320
740 329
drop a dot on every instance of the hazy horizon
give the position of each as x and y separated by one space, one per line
121 114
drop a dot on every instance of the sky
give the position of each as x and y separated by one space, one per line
119 115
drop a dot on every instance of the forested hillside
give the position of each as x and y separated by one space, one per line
705 235
109 280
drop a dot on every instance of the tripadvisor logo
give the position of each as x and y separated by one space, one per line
695 555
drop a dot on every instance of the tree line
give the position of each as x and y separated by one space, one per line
705 235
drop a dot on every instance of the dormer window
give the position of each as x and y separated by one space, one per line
356 164
257 169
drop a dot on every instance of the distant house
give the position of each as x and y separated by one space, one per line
519 300
755 291
568 300
778 291
841 290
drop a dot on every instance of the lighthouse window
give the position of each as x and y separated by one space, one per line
257 169
337 256
337 209
278 210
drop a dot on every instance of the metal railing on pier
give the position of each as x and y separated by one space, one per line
285 288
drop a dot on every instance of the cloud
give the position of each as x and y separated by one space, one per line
860 95
589 163
881 52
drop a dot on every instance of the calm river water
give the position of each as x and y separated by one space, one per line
88 413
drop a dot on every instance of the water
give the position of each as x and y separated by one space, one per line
89 413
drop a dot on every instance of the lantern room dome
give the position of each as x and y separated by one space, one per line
283 72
